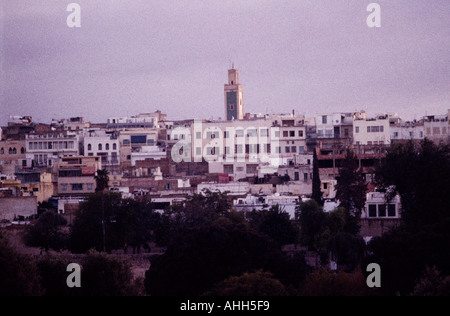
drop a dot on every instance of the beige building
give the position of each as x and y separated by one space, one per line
436 128
40 185
13 152
76 175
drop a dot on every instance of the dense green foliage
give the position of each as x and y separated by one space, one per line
421 175
47 233
255 284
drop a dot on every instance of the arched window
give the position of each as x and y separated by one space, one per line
22 150
2 151
89 147
14 151
100 147
107 146
114 146
10 151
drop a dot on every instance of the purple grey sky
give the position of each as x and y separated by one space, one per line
133 56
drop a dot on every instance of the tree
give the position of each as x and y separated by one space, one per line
47 233
312 221
255 284
88 230
19 275
105 275
421 176
432 283
324 283
276 224
199 210
204 256
126 222
102 179
316 185
351 191
53 272
404 255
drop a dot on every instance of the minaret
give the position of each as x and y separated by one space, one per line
234 99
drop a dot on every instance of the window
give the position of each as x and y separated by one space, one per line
89 147
346 132
228 169
126 142
395 134
232 107
277 134
100 147
357 129
252 133
300 133
114 146
305 176
288 150
292 133
77 187
239 149
297 176
64 187
264 132
382 210
278 150
90 186
392 211
372 210
285 134
198 151
226 134
294 149
252 169
139 139
239 133
198 135
302 149
107 147
2 151
324 119
227 151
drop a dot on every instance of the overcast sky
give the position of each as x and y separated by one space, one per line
132 56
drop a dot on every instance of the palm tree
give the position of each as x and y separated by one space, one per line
102 179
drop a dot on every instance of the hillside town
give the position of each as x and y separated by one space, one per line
259 160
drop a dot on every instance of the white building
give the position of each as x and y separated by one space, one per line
407 131
436 128
378 208
46 150
374 131
106 146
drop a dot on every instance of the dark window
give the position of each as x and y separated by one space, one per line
392 212
139 139
77 187
382 210
372 210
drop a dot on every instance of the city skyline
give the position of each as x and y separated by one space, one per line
131 57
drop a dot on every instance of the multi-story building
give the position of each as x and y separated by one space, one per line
436 128
373 131
406 131
238 148
13 152
40 185
106 146
76 175
45 150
